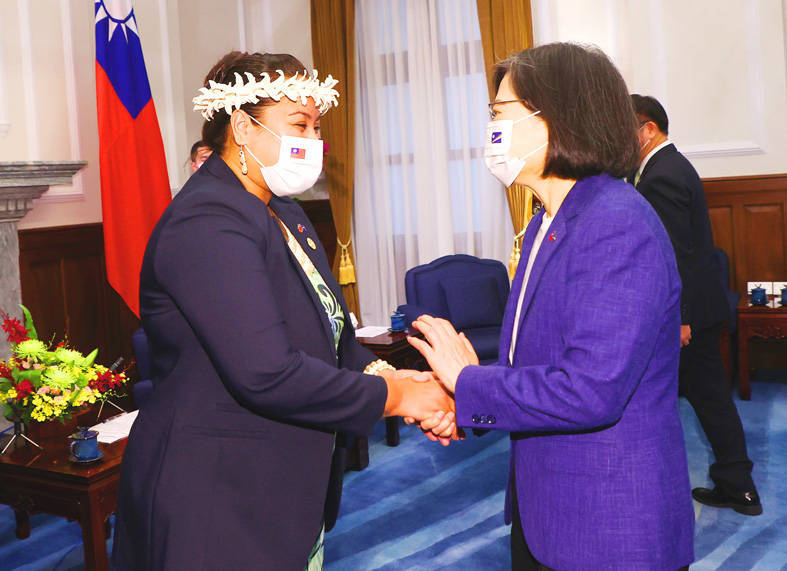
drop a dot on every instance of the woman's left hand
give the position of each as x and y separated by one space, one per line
447 351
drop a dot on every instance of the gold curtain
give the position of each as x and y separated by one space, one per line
507 28
333 49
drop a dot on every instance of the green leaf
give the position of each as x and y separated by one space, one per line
90 359
33 375
31 329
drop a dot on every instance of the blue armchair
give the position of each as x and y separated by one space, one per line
469 292
144 385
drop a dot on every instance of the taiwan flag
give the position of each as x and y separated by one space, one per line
134 182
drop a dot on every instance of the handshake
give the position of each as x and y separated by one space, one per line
427 398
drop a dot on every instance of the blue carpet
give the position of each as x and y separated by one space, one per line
422 506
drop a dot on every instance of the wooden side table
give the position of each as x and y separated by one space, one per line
33 481
757 322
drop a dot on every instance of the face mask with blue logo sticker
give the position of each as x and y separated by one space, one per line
498 144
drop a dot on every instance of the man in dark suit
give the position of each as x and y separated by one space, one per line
669 182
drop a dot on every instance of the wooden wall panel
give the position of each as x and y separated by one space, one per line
319 213
764 241
749 219
721 224
64 285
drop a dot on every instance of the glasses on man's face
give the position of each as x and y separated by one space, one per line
493 113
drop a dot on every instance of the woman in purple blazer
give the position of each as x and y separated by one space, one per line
587 381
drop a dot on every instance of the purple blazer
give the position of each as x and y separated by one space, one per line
591 400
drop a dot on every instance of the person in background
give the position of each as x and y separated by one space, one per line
669 182
236 461
587 381
199 154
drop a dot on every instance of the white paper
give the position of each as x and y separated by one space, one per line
767 286
116 428
371 331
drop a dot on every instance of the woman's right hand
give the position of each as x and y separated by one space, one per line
420 398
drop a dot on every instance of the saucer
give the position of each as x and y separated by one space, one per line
76 460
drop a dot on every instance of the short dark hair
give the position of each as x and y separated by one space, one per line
649 107
196 147
216 130
585 103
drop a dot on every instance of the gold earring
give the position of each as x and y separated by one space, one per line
243 168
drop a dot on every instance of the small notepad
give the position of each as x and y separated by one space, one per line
116 428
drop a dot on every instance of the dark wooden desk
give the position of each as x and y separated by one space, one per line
757 322
394 348
33 481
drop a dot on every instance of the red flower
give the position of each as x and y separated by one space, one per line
23 389
61 344
5 371
106 381
16 331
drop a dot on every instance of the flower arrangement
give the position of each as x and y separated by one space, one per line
41 383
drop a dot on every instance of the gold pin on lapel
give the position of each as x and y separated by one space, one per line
311 243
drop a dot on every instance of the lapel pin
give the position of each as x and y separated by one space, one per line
301 228
311 243
552 237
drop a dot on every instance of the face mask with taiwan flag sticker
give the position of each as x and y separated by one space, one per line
298 167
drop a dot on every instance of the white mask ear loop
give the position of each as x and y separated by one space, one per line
534 151
264 127
533 114
247 149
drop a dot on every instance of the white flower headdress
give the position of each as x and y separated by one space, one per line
228 97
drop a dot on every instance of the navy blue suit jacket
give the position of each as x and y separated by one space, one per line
674 189
229 465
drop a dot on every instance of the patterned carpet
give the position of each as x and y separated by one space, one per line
420 506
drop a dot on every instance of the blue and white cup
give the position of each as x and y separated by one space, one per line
397 321
759 296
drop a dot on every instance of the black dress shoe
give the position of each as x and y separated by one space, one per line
747 503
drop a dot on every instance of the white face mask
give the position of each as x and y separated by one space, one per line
298 167
498 143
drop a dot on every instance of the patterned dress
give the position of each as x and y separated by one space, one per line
336 316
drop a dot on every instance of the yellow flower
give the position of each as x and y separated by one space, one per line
10 394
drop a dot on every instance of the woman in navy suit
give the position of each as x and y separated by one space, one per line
235 462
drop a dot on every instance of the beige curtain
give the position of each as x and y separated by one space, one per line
507 28
333 49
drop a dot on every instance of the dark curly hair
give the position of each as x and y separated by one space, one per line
216 130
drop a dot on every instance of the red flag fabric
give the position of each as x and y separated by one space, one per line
134 182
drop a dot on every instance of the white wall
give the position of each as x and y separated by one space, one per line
47 80
717 66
